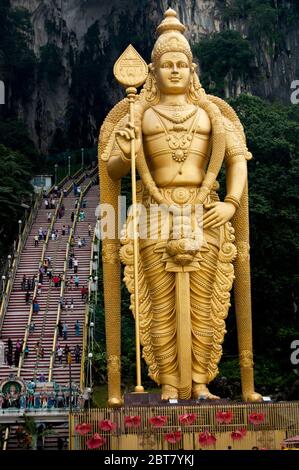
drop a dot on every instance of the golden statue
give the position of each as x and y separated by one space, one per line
181 138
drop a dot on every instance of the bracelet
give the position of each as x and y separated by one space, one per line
233 200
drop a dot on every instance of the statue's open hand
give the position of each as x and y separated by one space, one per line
124 137
218 214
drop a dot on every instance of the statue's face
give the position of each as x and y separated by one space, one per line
173 73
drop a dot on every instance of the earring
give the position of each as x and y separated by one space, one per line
196 91
152 92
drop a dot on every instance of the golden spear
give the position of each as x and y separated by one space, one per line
130 70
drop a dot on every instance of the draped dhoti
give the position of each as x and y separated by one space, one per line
183 304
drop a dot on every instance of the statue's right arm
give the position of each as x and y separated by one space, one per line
119 163
118 166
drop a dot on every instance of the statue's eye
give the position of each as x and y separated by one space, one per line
166 65
183 65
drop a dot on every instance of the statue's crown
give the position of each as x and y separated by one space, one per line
170 23
170 37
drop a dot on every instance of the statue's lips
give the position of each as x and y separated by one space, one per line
175 80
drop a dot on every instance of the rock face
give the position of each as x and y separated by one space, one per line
88 35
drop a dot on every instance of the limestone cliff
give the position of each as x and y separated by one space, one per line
77 41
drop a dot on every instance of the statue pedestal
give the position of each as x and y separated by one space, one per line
154 399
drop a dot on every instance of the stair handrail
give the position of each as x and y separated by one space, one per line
16 257
5 440
87 314
82 169
64 180
45 245
75 175
81 175
59 184
80 178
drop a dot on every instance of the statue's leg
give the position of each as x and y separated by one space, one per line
201 289
161 285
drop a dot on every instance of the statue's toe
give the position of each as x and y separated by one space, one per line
169 392
253 396
201 391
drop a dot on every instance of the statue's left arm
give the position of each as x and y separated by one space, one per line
236 165
236 176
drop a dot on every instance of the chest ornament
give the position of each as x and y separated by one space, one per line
179 138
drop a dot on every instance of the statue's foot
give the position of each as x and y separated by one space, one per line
169 392
115 402
202 391
252 396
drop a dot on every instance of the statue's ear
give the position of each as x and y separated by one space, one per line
193 67
151 67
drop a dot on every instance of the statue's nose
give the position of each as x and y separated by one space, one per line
174 68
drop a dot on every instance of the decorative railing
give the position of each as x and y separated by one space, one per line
178 427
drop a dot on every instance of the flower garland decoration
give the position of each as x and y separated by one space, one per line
256 418
173 437
95 441
206 439
107 425
158 421
132 421
187 419
83 428
238 434
224 417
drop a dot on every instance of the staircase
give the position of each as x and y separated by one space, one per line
16 318
61 372
15 323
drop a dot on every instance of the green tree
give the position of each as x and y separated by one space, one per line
15 188
29 433
273 137
223 56
17 59
14 135
265 18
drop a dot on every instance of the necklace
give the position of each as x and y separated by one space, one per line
179 143
176 116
